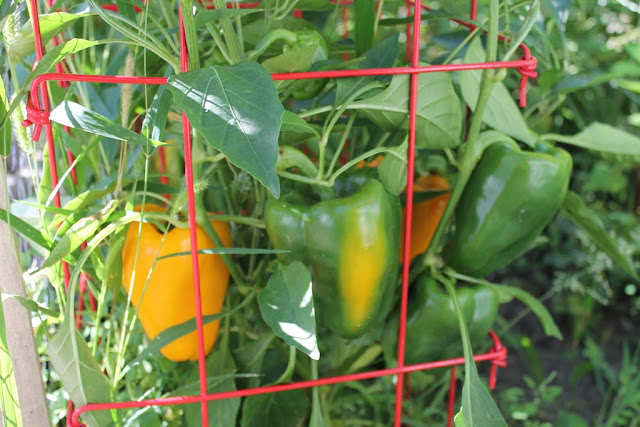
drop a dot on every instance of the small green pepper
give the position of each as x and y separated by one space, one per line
432 323
509 199
298 40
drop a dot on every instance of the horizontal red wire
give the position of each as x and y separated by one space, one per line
497 356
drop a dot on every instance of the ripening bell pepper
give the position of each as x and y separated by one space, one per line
167 297
510 197
426 214
350 245
432 331
298 40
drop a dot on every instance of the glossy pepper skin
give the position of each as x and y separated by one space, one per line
169 298
432 324
350 244
426 214
509 199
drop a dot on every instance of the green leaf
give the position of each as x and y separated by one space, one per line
291 61
8 389
393 169
32 305
439 117
113 263
236 109
76 116
291 122
286 304
26 230
603 138
46 64
534 304
578 212
155 120
79 232
80 373
382 55
249 357
286 408
478 407
22 44
205 17
5 132
501 113
223 412
364 18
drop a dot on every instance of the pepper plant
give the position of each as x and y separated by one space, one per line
299 186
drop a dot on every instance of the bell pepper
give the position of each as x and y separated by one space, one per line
426 214
348 244
432 331
298 40
165 296
509 199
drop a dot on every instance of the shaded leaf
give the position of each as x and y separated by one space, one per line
22 44
393 169
291 122
439 117
80 373
205 17
237 110
46 64
286 304
604 138
286 408
501 113
575 208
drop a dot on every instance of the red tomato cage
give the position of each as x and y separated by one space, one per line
38 109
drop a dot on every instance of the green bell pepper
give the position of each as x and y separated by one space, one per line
298 40
350 245
509 199
432 323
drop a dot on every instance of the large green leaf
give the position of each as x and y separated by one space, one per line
22 43
364 12
604 139
237 110
78 117
79 372
501 113
291 61
286 408
575 208
286 304
439 117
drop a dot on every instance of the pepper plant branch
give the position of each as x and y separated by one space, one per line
467 162
230 36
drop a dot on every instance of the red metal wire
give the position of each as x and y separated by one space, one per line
413 103
180 400
452 396
188 166
38 115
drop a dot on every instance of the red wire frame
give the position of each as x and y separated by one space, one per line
38 114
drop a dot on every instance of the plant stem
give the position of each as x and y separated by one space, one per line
467 163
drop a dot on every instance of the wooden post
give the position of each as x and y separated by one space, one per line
31 396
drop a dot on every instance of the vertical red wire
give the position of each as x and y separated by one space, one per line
452 396
188 166
413 102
